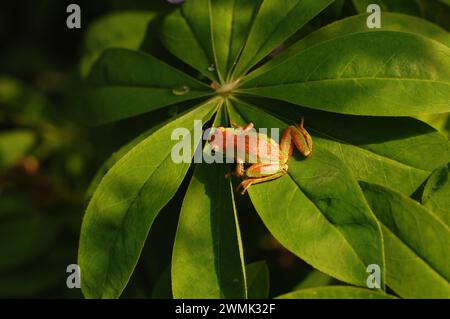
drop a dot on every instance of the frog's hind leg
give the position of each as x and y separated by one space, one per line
250 181
260 173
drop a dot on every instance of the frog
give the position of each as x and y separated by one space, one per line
263 160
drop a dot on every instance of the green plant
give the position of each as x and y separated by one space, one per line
352 204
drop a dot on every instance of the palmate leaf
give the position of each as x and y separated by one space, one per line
385 73
117 30
386 151
125 83
436 195
186 33
231 22
204 32
335 292
207 257
440 122
317 211
125 204
274 24
416 244
357 24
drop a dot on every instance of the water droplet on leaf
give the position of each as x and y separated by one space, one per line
181 90
212 68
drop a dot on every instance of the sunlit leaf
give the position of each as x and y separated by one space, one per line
416 244
385 73
386 151
273 24
332 228
125 204
207 258
436 195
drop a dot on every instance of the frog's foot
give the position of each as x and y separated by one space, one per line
244 186
306 136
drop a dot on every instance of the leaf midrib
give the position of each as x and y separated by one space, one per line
133 200
414 252
247 66
245 90
282 60
331 225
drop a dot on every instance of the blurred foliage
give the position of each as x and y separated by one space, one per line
47 159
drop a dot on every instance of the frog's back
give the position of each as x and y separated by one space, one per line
258 148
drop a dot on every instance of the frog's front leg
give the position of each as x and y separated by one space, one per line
238 171
262 172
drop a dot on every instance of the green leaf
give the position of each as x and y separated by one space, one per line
257 280
116 156
317 211
357 24
416 244
231 22
440 122
314 279
335 292
125 204
116 30
436 195
126 83
13 146
274 24
371 75
406 6
386 151
186 33
207 259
